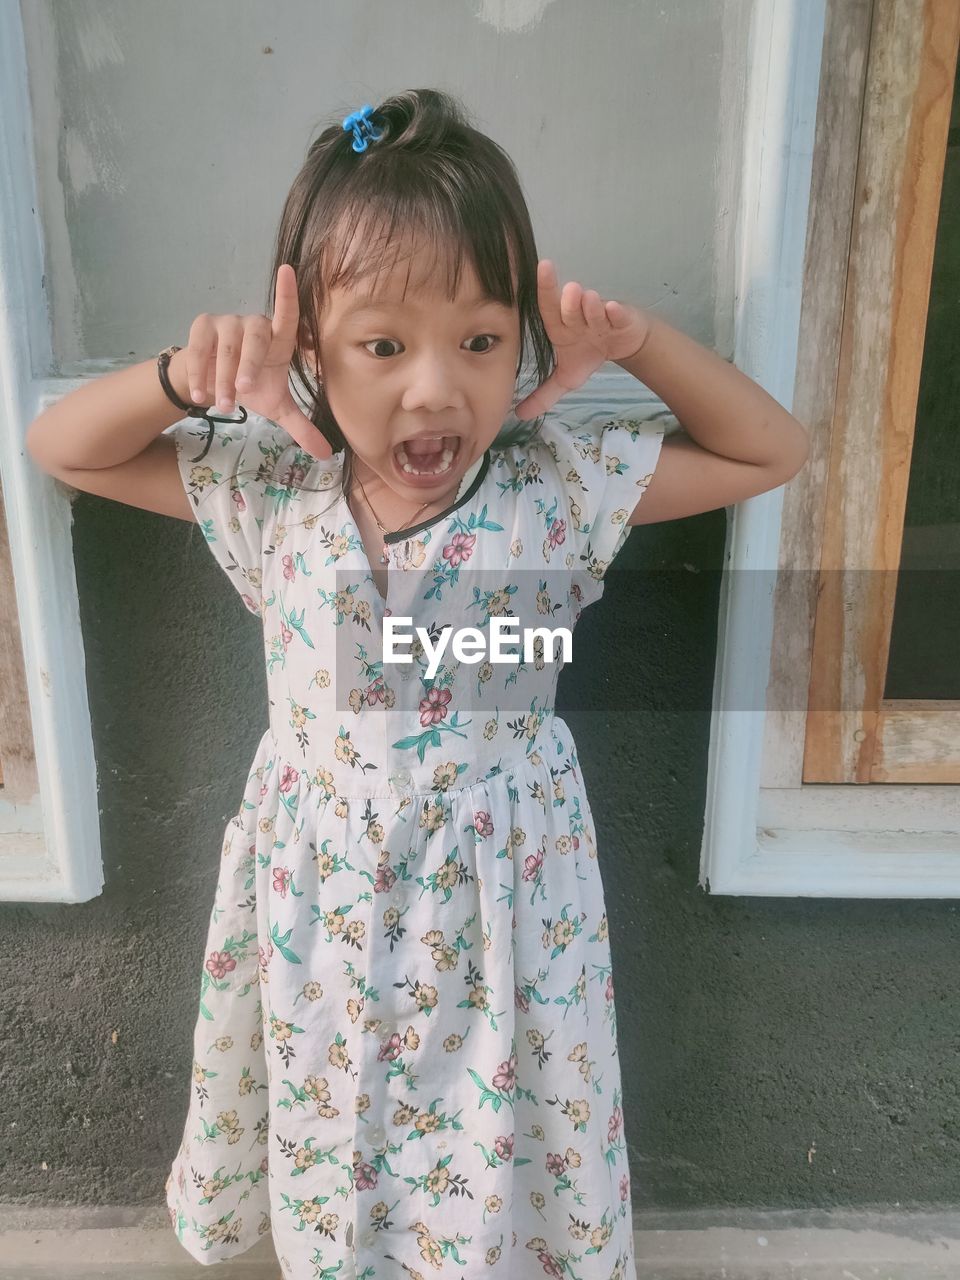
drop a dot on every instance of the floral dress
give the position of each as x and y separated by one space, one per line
405 1059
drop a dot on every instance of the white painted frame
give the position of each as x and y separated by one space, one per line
49 848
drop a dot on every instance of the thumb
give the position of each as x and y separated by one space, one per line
306 434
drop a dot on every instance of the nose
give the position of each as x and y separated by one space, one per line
433 383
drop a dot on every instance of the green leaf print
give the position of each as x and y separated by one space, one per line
496 1097
281 944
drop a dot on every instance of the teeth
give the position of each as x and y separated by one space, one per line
446 457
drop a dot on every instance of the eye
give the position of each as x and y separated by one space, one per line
494 339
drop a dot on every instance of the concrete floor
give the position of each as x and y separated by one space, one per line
105 1244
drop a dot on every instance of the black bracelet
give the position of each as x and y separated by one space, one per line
192 410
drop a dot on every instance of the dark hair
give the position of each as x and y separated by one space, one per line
429 175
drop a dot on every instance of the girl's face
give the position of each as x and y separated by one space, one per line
420 386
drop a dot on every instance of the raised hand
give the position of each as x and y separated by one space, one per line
585 332
251 355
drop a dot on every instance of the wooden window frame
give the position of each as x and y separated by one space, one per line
837 808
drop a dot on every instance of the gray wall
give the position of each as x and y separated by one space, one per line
776 1052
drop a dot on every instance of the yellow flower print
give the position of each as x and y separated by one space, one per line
444 776
322 679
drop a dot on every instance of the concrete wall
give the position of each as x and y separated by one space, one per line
776 1052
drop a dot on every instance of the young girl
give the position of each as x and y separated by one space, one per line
405 1057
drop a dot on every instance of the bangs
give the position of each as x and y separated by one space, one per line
368 242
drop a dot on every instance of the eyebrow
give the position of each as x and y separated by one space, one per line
364 305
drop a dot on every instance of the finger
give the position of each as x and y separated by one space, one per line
256 344
286 308
544 398
570 306
229 342
548 294
201 345
595 313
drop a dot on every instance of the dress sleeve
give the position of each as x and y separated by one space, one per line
230 489
603 469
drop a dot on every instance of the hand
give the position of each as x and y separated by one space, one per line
585 332
251 354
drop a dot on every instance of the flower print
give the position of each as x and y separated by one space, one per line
433 708
289 572
613 1128
504 1145
356 699
290 775
322 679
286 635
482 823
459 548
339 546
485 671
506 1074
498 602
608 990
453 1042
220 963
516 549
624 1189
294 475
444 775
557 533
532 865
414 553
489 729
344 749
281 880
390 1049
323 779
362 612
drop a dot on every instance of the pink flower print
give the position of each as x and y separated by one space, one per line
482 823
290 775
263 790
504 1147
288 570
220 963
239 501
293 477
365 1176
505 1077
390 1049
576 591
249 602
558 533
521 1000
281 880
433 708
459 548
576 842
286 635
265 956
385 879
624 1189
532 864
608 993
550 1267
555 1164
265 1164
613 1128
375 692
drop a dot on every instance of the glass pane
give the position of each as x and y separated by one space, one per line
925 642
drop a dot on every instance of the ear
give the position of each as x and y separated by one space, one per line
306 347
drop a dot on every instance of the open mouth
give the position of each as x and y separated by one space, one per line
430 456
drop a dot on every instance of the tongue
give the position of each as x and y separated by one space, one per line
426 449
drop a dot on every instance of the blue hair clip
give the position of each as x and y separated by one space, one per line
363 131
